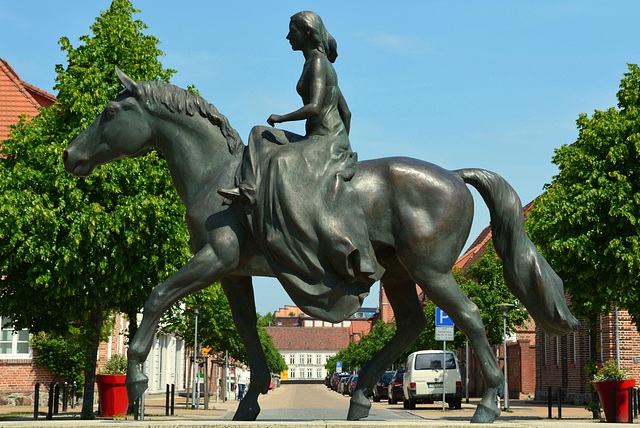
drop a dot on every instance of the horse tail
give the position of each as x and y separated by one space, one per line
527 274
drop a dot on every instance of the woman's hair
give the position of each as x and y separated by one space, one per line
319 35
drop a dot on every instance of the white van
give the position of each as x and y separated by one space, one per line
423 379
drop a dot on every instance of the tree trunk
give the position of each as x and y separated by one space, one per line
132 314
594 321
96 319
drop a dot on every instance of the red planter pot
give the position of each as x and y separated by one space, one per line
622 398
113 395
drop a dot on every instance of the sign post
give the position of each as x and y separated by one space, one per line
444 331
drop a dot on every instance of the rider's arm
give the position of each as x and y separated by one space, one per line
313 108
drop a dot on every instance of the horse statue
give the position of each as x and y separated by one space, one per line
418 215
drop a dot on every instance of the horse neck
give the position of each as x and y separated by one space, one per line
197 155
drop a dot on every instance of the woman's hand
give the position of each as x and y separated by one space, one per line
273 119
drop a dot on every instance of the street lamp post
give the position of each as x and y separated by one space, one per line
505 311
196 311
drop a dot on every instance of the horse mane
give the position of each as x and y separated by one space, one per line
179 100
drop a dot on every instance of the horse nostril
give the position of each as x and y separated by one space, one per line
65 155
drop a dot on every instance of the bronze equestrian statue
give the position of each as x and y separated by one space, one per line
302 209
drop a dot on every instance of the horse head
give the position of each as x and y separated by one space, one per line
122 130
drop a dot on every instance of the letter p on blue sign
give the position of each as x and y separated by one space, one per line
442 319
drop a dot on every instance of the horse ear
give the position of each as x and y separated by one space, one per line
128 82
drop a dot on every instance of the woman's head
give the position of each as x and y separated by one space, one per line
320 37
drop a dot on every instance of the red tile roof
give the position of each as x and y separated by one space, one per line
18 97
287 338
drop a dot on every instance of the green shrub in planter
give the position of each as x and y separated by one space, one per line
610 371
116 365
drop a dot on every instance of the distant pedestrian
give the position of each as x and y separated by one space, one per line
242 381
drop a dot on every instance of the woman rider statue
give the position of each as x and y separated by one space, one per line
304 211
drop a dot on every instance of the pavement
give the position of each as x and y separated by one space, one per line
311 406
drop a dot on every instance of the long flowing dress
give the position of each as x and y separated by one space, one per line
307 217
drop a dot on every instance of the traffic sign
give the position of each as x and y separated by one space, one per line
443 319
339 366
445 333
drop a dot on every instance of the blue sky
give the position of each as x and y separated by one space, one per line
495 84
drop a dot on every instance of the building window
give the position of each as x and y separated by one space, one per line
309 359
310 373
301 373
301 359
318 373
292 373
326 358
292 359
13 342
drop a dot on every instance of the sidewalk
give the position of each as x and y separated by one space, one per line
278 406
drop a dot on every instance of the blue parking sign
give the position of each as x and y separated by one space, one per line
442 319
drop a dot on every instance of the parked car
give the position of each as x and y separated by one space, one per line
341 380
394 391
336 381
329 379
380 389
344 387
352 384
424 376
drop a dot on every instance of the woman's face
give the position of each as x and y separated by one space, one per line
295 36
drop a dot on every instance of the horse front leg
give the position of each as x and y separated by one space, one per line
410 321
200 272
239 292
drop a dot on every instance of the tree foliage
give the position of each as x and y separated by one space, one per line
73 249
216 329
586 222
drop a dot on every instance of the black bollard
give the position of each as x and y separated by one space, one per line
50 410
166 402
65 396
630 420
613 404
56 398
136 411
36 401
549 404
173 394
559 402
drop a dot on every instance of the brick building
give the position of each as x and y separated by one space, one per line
17 98
561 362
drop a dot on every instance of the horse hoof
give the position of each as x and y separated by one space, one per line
484 415
358 407
247 411
136 386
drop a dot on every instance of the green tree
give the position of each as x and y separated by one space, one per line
75 249
216 329
586 222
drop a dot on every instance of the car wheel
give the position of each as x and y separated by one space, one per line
376 398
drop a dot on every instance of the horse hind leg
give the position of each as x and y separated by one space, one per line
410 322
445 292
